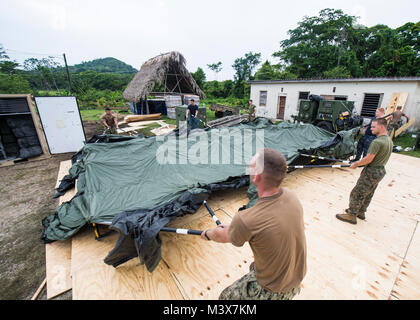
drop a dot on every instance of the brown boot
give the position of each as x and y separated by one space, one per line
347 217
361 216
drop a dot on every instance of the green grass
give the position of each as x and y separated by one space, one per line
406 140
167 120
147 131
95 114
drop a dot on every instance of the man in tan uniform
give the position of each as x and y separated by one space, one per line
275 231
110 121
395 122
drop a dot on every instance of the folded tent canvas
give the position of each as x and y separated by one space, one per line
126 184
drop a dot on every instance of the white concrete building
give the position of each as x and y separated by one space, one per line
280 98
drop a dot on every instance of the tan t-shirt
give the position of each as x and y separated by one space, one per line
109 119
275 231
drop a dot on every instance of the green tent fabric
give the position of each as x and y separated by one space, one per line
141 184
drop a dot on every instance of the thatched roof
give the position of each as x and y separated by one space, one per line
169 69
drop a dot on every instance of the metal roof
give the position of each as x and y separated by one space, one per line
385 79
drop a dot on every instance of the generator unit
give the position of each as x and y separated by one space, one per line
331 115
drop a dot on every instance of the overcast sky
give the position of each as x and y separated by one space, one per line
203 31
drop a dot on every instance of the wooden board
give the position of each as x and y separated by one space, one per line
204 268
364 261
397 99
7 163
141 117
356 261
62 171
405 127
407 285
93 279
58 253
58 266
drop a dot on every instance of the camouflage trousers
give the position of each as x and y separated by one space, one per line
394 126
248 288
111 130
362 193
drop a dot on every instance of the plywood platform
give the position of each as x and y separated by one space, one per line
376 259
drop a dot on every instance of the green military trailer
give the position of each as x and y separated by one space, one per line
181 111
331 115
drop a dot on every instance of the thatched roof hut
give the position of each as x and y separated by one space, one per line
168 70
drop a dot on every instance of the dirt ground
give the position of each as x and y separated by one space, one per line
26 195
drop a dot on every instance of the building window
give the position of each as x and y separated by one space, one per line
263 98
371 102
303 95
334 89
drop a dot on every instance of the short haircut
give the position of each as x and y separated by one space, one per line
192 100
275 166
107 109
381 110
399 107
250 100
381 122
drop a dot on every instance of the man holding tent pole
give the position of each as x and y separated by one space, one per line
275 231
377 156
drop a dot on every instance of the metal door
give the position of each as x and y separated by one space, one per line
60 118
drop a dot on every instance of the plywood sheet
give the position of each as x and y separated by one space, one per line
62 171
58 265
93 279
204 268
407 285
397 99
356 261
58 253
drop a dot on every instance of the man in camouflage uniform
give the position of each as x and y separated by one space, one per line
274 229
248 288
395 122
378 155
110 121
252 110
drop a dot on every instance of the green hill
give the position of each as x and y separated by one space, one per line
110 65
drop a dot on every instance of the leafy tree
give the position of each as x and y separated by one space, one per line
267 72
318 43
333 43
244 67
199 76
337 72
216 67
3 55
13 83
6 66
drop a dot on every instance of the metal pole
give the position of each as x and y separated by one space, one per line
320 166
67 70
324 158
182 231
211 213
